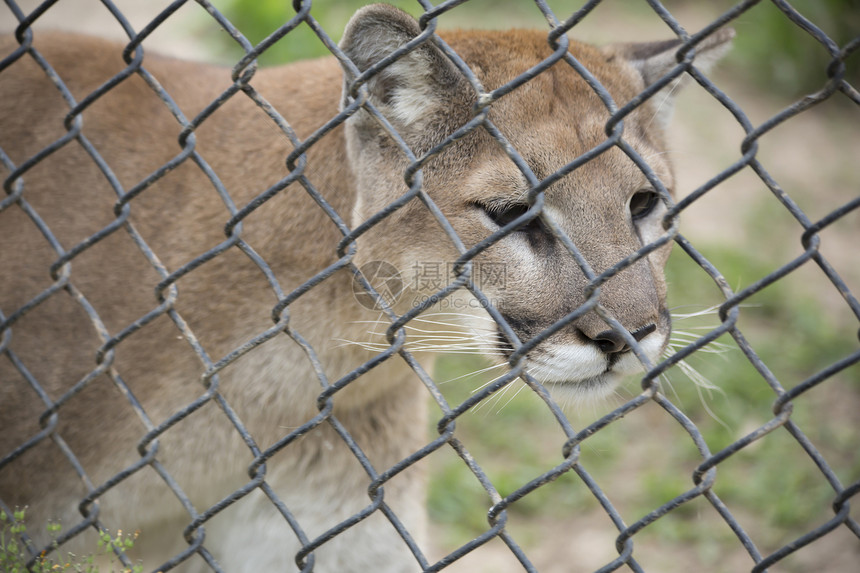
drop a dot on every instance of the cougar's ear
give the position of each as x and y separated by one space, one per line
655 59
414 88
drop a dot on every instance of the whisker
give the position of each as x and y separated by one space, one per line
497 396
364 345
665 379
474 373
417 346
675 84
712 346
682 338
713 309
425 318
701 383
409 328
511 399
487 383
698 379
444 337
454 349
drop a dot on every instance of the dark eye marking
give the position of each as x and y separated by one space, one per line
503 214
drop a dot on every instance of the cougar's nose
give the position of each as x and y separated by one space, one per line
610 342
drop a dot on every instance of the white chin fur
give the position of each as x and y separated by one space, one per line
585 391
578 373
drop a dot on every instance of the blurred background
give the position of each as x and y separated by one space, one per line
798 326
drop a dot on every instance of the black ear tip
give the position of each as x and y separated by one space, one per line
375 18
646 50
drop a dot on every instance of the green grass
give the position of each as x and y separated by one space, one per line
795 338
15 555
779 54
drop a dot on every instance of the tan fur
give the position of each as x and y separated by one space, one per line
227 301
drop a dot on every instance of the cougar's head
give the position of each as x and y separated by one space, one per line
557 278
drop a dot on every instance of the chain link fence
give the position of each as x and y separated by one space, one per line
212 417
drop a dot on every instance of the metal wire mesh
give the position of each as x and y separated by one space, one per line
66 281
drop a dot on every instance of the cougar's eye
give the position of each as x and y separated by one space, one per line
642 203
502 215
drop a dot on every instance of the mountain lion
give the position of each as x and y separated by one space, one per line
108 326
